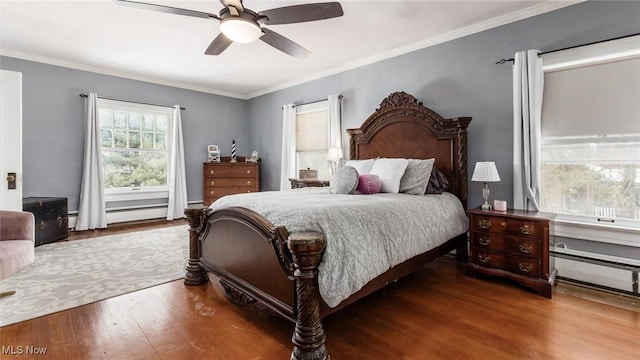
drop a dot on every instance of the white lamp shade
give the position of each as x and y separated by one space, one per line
485 171
335 154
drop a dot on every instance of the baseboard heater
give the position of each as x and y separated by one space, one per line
609 273
127 214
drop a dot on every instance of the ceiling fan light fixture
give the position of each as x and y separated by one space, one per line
240 30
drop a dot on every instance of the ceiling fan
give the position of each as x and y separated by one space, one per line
242 25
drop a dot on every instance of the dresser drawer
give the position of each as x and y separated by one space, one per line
235 170
508 262
223 191
523 246
516 245
508 226
522 266
230 182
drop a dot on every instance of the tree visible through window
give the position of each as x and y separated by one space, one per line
134 144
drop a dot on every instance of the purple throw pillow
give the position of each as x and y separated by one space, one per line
369 184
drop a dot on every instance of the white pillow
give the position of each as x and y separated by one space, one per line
390 172
416 176
363 166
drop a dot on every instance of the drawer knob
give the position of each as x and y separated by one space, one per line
213 182
503 223
484 241
484 223
212 192
484 258
248 172
248 182
525 267
248 191
212 172
526 229
526 248
42 224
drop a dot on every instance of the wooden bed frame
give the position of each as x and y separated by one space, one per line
257 261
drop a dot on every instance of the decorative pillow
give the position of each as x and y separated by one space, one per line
344 180
390 172
416 176
369 184
438 183
363 166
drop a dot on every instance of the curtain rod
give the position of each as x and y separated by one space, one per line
132 101
313 102
502 61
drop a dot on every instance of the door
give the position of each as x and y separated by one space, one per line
10 140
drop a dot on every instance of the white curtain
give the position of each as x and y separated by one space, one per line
528 83
177 180
92 213
288 163
335 124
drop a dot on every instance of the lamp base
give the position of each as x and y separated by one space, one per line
486 207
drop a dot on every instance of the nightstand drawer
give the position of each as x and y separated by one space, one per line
516 245
510 226
496 260
499 260
526 267
523 246
488 240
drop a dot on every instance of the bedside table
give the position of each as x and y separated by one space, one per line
512 244
300 183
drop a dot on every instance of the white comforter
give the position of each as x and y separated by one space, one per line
365 234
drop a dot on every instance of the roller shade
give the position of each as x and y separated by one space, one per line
312 131
593 100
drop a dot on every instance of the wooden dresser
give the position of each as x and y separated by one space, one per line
512 244
226 178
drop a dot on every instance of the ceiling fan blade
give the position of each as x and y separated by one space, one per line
234 3
283 44
167 9
218 45
303 13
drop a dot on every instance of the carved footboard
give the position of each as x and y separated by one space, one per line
257 261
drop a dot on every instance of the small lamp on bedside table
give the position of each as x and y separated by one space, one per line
486 172
335 155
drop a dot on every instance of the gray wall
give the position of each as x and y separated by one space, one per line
53 124
457 78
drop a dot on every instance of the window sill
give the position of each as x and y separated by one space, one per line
131 195
612 234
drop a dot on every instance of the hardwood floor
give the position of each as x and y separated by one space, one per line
435 313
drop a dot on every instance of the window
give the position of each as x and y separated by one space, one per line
590 160
312 138
135 148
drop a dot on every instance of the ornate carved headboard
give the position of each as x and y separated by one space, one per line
403 128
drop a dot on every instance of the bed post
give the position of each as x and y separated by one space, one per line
308 337
197 218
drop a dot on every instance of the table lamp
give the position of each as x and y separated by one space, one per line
335 155
485 172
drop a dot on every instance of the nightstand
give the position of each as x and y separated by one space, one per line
300 183
512 244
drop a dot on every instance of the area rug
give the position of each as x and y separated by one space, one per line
73 273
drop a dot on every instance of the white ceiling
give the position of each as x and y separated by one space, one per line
105 37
